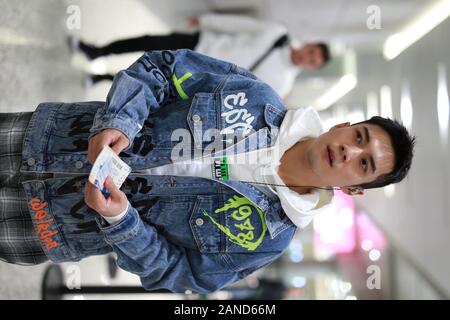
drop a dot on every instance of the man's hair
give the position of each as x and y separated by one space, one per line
403 145
326 55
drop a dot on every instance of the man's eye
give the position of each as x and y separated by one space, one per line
364 164
358 137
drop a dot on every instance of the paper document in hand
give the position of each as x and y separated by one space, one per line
108 163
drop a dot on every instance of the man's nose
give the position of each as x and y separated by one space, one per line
349 152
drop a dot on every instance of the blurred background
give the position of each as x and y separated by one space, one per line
389 58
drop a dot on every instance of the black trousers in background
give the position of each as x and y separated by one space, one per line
172 41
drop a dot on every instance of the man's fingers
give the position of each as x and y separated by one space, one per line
108 137
94 197
111 186
119 145
97 142
92 154
94 148
94 194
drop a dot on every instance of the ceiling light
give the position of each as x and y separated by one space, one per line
442 103
345 84
406 109
419 27
386 102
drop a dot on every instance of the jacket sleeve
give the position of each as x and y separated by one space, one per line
159 263
233 23
156 79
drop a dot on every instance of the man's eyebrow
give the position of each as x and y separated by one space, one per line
372 162
366 131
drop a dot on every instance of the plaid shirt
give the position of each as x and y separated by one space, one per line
18 241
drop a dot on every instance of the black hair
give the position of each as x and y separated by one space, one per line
326 55
403 145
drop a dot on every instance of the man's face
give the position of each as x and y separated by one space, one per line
308 57
351 155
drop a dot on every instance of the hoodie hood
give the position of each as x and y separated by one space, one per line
297 125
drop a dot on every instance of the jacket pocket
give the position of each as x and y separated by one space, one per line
47 223
207 232
202 119
228 223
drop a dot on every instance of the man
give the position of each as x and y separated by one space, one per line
190 224
260 46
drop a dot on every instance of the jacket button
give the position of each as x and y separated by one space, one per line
78 164
199 222
31 162
196 118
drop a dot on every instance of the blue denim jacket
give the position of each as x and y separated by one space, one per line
180 233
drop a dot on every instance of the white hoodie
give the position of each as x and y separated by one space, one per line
297 125
243 40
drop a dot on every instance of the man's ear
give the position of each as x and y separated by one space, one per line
352 191
340 125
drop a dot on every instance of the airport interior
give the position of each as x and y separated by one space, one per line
388 58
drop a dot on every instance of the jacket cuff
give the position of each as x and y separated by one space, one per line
127 126
124 229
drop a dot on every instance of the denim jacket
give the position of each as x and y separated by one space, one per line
180 233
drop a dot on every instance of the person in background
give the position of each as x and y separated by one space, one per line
263 47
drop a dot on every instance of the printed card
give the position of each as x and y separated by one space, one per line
108 163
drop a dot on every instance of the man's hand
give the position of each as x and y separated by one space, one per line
116 203
110 137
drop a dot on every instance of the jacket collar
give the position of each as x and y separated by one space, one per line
274 117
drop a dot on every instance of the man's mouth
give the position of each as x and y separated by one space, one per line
330 156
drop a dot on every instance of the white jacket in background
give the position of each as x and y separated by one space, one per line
243 40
